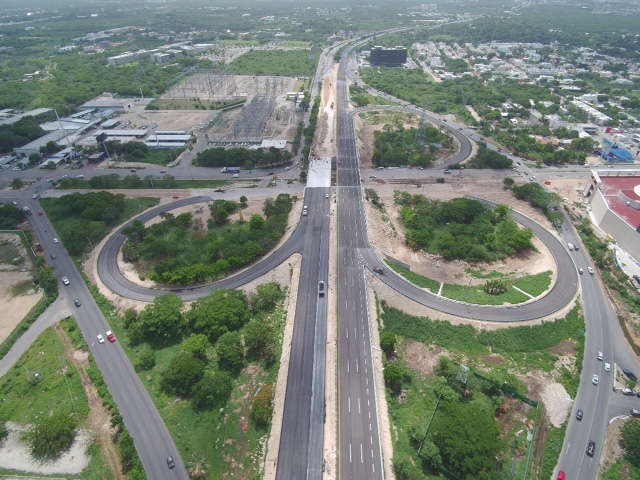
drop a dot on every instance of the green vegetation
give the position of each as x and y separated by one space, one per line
137 152
458 398
82 220
628 465
275 62
461 228
416 146
242 157
11 216
487 158
419 280
465 339
178 251
547 202
361 97
218 401
23 131
134 182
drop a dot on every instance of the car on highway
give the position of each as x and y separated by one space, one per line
326 195
15 203
111 336
628 392
133 170
65 280
590 270
600 356
372 176
595 379
163 171
219 190
561 475
634 412
607 367
100 338
170 463
76 302
175 196
34 196
446 170
270 173
55 240
579 415
53 256
39 212
591 448
629 374
580 271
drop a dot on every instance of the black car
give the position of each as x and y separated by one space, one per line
270 173
219 190
579 415
591 448
77 302
170 462
53 255
629 374
636 278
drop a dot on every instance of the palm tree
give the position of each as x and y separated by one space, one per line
197 468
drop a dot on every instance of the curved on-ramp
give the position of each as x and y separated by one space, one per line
561 293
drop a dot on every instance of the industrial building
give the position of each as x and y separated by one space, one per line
34 147
388 57
614 197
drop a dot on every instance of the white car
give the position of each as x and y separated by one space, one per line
100 338
590 270
55 240
595 379
607 367
600 356
65 280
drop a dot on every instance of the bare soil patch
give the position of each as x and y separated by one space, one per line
15 307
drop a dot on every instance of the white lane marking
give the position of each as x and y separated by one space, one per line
348 369
359 411
350 453
349 404
357 366
361 456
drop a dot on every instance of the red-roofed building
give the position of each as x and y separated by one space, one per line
615 205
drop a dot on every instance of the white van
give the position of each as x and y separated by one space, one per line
570 246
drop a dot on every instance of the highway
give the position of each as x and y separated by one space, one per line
302 436
359 450
151 437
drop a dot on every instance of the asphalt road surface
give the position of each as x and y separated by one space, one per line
359 449
301 441
152 439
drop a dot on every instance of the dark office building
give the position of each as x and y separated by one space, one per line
388 57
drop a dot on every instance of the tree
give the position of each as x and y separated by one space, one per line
197 345
230 351
182 373
508 182
47 280
393 375
468 438
146 358
221 311
213 390
52 435
262 406
16 183
162 320
267 297
259 337
387 342
631 441
256 222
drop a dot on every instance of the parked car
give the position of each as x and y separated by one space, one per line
446 170
628 392
630 375
634 412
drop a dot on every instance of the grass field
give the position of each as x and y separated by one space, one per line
60 388
275 62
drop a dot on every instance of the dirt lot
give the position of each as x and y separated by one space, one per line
17 292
